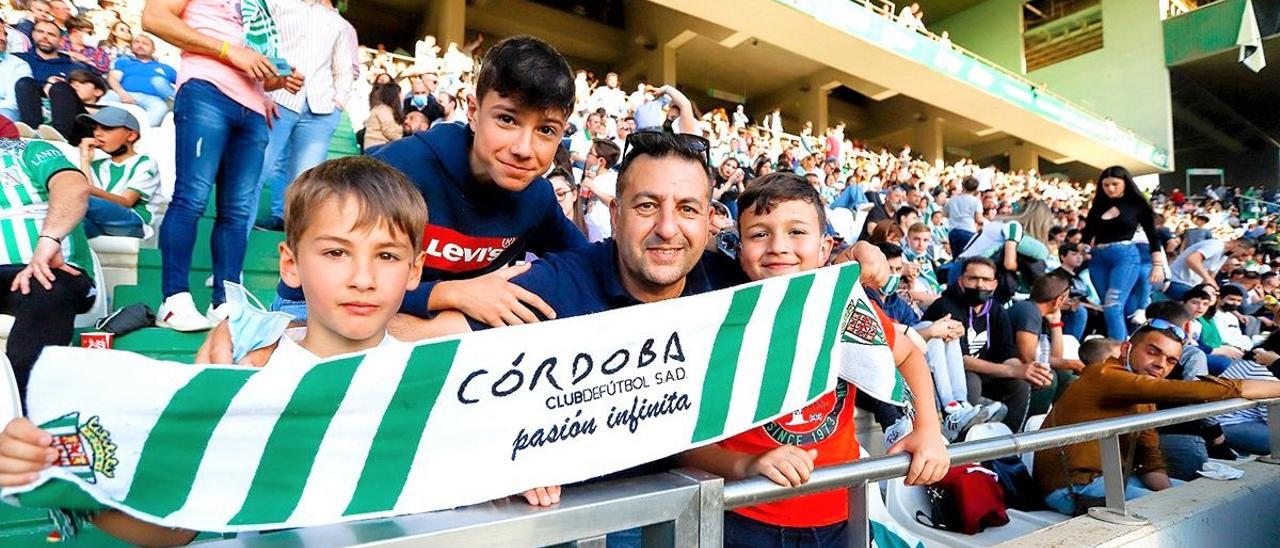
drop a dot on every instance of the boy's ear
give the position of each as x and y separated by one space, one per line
289 267
473 109
415 271
133 137
824 250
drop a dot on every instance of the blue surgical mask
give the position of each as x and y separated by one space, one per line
891 285
252 326
419 101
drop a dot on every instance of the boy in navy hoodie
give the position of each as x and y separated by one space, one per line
484 184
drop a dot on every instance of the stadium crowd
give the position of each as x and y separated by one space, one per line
1006 294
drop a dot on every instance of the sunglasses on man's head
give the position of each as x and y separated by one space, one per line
1168 328
648 140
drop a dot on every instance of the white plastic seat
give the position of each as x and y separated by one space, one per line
1034 423
904 501
987 430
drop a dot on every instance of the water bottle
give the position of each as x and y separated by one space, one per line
1042 352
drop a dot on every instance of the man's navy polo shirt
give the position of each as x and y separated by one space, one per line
586 280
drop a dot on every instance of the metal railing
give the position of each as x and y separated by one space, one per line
686 507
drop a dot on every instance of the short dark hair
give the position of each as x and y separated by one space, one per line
529 72
79 23
1068 247
1096 350
1174 312
970 184
660 144
86 77
1247 242
1229 290
1195 293
977 260
891 251
1049 287
607 150
903 212
767 191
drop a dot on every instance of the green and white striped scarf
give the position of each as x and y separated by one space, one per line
410 428
260 33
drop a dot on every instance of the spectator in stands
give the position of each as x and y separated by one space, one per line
1187 446
991 366
119 42
311 39
601 180
1082 298
220 109
918 252
386 121
1202 262
567 196
783 215
1016 243
46 277
1118 211
1247 430
50 69
964 216
582 141
60 14
1038 337
123 183
422 97
12 69
147 82
73 44
37 11
1132 385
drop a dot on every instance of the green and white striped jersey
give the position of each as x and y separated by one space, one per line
138 173
24 201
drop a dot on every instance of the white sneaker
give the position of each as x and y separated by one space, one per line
959 417
897 431
215 315
995 411
179 313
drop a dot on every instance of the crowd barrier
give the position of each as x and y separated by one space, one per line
686 507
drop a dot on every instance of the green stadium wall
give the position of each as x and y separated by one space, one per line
992 29
1126 80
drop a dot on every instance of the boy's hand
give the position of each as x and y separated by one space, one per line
929 458
24 451
788 466
543 496
493 299
875 268
217 348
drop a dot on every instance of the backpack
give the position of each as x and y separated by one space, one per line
1021 492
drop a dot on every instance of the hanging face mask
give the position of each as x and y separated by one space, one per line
975 296
1228 307
891 285
118 151
251 325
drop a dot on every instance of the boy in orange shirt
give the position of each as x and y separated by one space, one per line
781 222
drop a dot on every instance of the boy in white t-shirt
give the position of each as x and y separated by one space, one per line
353 242
124 183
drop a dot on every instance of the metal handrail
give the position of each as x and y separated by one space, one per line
686 507
754 491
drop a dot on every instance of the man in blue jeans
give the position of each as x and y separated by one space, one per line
220 117
311 38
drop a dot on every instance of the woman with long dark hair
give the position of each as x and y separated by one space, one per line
386 116
1118 211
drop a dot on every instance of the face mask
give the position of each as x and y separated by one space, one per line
419 101
251 325
975 296
891 285
118 151
1228 307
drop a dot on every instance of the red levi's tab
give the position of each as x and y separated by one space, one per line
453 251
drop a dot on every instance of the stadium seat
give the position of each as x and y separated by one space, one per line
905 501
987 430
118 257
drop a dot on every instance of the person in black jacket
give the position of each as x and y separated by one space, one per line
991 365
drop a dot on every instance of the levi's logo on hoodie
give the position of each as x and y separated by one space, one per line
453 251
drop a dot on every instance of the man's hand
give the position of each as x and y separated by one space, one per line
1055 316
1038 376
493 299
788 466
1071 365
944 328
1157 275
255 64
46 259
542 496
1230 352
24 451
217 348
1265 357
929 458
291 83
